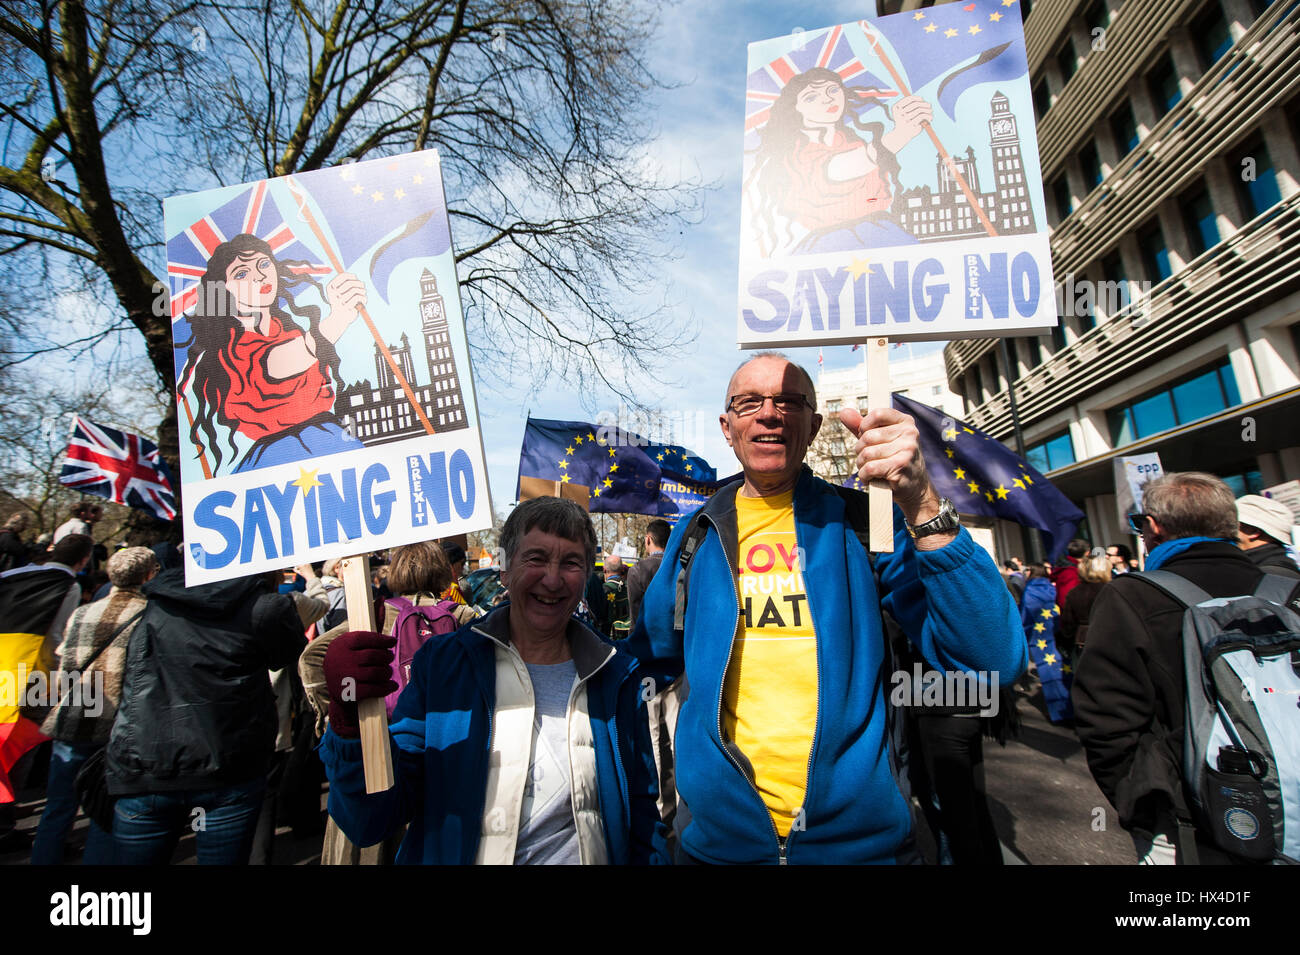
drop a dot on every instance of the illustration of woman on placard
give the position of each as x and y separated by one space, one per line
820 184
254 370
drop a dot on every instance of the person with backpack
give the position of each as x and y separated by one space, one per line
617 613
520 739
420 575
93 654
1147 642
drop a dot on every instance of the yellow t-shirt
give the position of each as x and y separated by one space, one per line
769 702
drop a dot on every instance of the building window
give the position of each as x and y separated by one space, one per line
1162 82
1087 317
1096 17
1256 181
1042 98
1155 253
1125 128
1055 452
1066 61
833 406
1033 353
1058 334
1249 481
1112 294
1204 392
1090 164
1061 196
1202 229
1211 35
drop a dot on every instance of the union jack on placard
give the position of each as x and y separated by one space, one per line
120 466
828 49
249 212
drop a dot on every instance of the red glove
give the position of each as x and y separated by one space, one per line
358 666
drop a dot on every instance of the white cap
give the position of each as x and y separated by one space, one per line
1272 517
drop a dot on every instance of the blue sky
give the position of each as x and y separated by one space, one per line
702 47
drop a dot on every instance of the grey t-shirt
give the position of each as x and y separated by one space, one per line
547 835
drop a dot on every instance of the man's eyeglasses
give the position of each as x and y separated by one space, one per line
745 405
1137 523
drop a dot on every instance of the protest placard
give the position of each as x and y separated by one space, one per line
892 190
892 184
1132 474
323 377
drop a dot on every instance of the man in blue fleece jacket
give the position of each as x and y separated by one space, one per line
785 748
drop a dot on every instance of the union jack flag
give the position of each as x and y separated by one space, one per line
120 466
828 49
249 212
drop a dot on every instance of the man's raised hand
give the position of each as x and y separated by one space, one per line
889 450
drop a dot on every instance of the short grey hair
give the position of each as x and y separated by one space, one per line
803 373
1191 504
551 515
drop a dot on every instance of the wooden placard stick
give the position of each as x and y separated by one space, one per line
880 499
373 715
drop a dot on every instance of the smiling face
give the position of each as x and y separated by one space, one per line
821 104
253 281
769 445
546 577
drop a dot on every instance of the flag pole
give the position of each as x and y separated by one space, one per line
880 499
946 159
337 265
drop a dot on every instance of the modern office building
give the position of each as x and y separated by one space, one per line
1169 135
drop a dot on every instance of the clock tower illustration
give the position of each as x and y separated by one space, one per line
381 413
1008 170
936 215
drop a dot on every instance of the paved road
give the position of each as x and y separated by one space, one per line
1045 806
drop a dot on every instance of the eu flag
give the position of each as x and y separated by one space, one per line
984 477
681 462
610 462
398 200
1038 615
965 44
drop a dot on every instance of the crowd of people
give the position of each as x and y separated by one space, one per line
732 697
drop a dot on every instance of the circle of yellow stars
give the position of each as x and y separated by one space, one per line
973 30
999 493
377 195
666 454
575 445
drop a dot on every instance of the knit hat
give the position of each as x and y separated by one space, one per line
130 566
1272 517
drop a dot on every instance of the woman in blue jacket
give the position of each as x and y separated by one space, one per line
519 739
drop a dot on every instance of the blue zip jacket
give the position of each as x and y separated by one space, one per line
441 739
950 602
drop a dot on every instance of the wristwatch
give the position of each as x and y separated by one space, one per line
942 523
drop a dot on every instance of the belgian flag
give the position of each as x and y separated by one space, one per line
29 602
